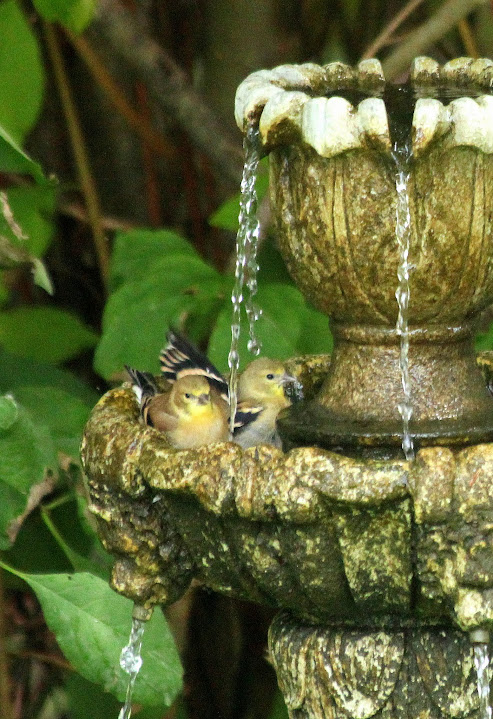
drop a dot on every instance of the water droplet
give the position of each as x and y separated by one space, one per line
246 262
131 662
483 672
402 156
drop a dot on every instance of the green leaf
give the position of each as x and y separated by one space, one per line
92 625
73 14
17 372
14 159
286 327
46 334
32 209
484 340
41 276
272 267
61 413
21 72
135 251
36 550
26 452
9 413
138 313
69 525
86 699
279 710
226 216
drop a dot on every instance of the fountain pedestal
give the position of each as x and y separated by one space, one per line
357 404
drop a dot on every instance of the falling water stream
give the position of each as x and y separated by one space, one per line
402 156
245 287
482 664
131 662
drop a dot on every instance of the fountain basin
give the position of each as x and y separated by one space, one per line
331 538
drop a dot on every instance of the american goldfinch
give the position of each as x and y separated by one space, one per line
260 389
260 399
191 414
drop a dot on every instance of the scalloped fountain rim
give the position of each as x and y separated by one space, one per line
290 104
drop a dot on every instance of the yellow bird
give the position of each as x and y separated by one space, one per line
192 414
260 388
260 399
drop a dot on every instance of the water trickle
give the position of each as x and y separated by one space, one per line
482 664
402 156
245 287
131 662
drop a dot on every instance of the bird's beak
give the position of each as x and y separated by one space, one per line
287 379
204 399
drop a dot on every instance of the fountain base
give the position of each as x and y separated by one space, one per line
358 402
341 672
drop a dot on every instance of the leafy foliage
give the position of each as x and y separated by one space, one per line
46 334
173 286
21 72
158 279
73 14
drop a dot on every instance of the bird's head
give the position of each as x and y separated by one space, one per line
263 379
191 395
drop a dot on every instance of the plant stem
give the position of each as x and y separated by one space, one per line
444 19
383 38
80 153
50 659
168 85
5 702
104 79
468 38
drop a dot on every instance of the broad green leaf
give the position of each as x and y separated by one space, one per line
279 710
46 334
226 216
21 72
9 413
74 14
484 340
14 159
16 372
272 267
92 625
135 251
35 550
86 699
32 209
41 276
138 313
26 452
86 553
215 294
286 328
63 415
315 336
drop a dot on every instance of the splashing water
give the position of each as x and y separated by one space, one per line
402 156
131 662
482 664
246 263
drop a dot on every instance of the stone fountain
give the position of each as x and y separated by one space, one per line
382 569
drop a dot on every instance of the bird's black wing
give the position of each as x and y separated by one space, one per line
144 387
180 358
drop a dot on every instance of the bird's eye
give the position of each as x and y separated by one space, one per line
270 376
187 395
